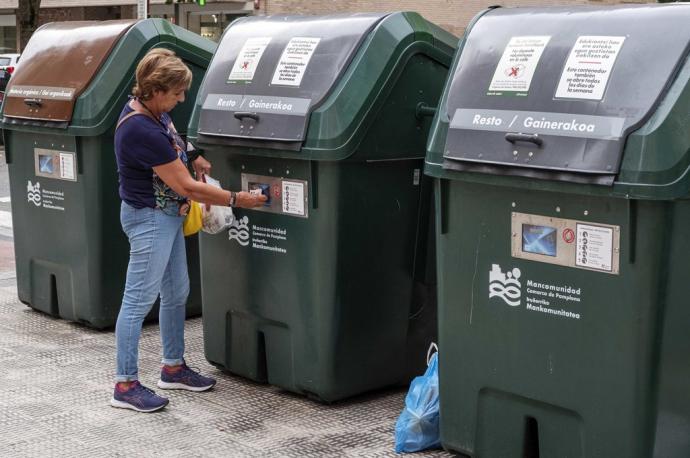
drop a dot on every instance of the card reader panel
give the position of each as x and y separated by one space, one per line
286 196
566 242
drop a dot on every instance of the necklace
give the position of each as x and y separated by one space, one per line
141 102
152 115
176 136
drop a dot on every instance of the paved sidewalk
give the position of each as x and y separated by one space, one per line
56 384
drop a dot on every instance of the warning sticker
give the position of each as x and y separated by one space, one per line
294 61
248 59
293 198
588 68
594 247
513 75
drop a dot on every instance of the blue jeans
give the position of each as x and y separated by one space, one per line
157 264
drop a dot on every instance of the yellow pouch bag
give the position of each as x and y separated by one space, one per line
193 221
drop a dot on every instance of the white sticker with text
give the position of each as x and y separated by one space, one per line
293 198
517 65
248 59
294 61
594 247
588 68
67 166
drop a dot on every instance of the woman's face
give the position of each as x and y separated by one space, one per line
166 100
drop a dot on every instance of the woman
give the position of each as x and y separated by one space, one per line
154 186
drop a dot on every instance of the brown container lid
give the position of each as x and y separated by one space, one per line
57 65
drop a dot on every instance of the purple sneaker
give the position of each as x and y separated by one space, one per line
138 398
184 379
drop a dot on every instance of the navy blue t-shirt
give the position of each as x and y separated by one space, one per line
142 143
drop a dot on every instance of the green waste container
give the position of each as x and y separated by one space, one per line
560 155
59 117
324 291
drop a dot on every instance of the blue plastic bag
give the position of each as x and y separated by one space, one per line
417 427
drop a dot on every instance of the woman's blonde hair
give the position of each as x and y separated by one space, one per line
160 69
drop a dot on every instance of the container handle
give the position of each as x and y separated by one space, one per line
513 137
246 114
36 103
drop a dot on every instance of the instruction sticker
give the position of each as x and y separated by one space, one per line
294 61
513 75
67 166
248 59
588 68
293 198
594 247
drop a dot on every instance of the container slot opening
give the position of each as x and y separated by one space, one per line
54 306
261 364
530 446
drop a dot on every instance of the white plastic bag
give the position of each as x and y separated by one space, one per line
217 218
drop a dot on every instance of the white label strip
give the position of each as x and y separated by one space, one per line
42 92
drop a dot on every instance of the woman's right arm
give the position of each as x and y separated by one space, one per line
176 175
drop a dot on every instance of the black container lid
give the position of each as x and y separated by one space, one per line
561 88
269 73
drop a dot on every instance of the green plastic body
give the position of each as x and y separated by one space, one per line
514 382
72 263
347 305
609 384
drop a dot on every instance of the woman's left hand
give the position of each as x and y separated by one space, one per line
201 167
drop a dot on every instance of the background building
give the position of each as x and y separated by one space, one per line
211 19
452 15
208 20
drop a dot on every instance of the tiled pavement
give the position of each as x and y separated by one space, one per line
55 384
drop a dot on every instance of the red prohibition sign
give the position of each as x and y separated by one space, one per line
568 235
276 190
